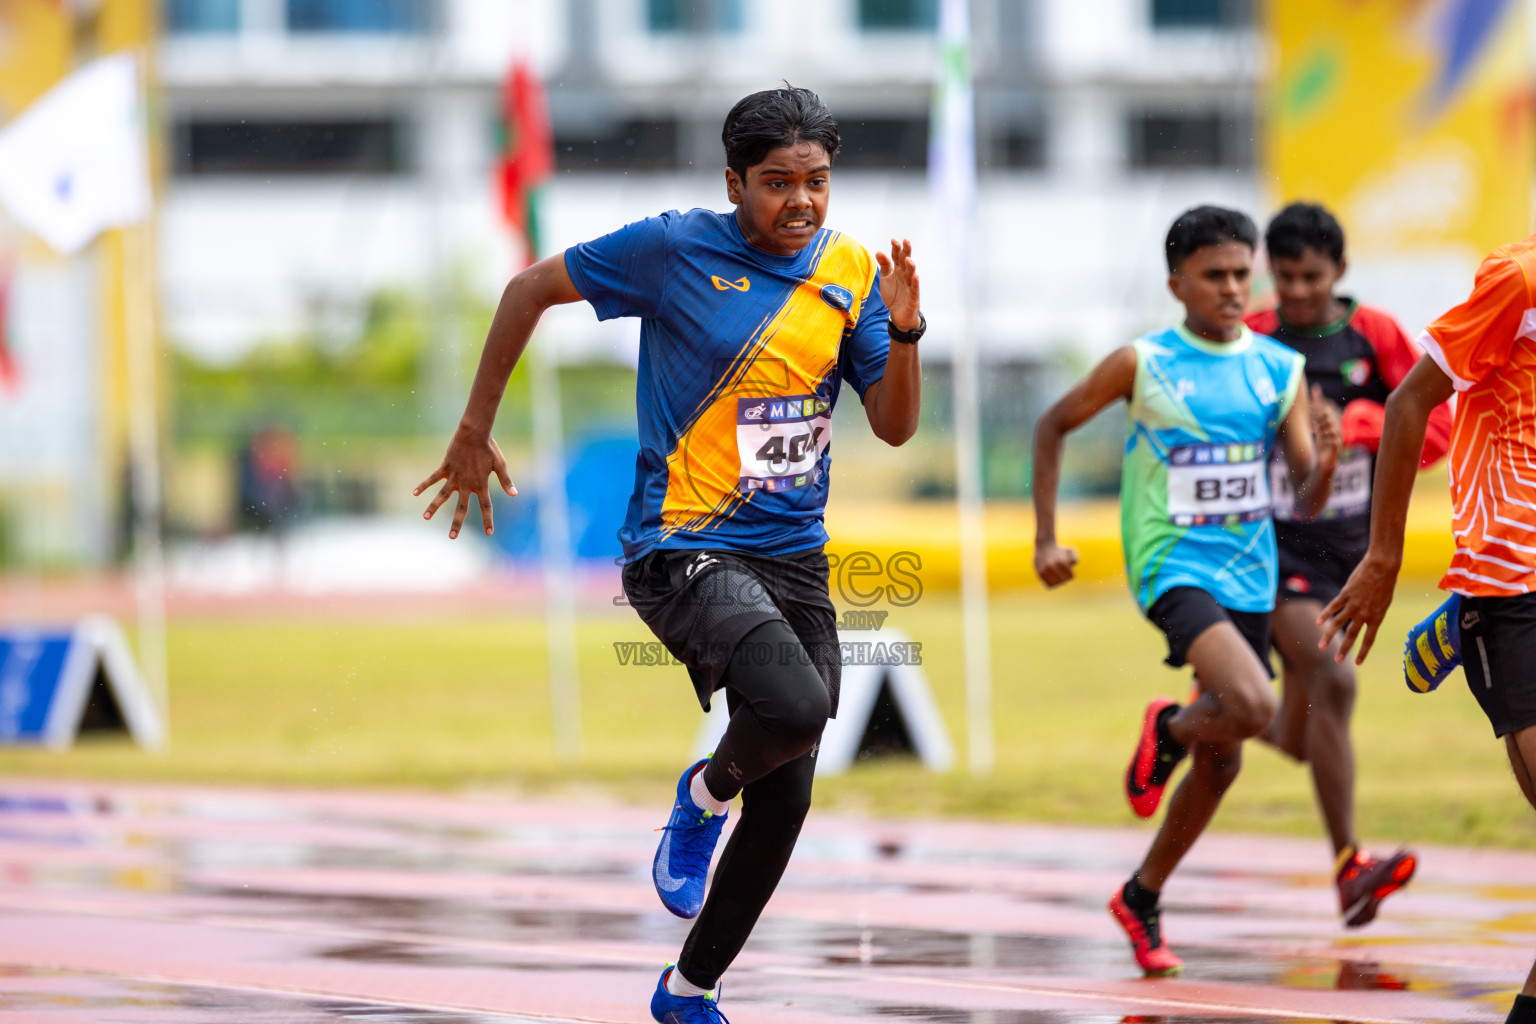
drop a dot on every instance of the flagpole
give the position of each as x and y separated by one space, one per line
952 178
142 372
530 150
554 535
144 460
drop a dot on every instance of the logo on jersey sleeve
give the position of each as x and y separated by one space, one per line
739 285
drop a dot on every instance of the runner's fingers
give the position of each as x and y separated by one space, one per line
440 473
485 512
437 501
1328 617
1365 644
1332 627
459 512
1351 631
500 464
885 264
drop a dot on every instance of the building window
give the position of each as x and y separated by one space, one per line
885 143
1202 13
1210 140
1019 147
266 147
404 16
693 15
202 15
911 15
627 146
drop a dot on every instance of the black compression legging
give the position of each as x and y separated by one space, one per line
778 710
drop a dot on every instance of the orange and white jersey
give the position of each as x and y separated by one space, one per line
1485 345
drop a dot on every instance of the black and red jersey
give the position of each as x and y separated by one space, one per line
1356 361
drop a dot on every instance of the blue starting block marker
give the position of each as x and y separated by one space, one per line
57 683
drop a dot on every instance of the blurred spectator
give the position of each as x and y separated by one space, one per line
268 471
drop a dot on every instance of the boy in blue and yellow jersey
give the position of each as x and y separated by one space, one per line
1208 402
751 321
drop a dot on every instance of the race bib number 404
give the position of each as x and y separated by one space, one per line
1217 484
780 441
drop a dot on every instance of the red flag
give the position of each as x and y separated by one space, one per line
529 157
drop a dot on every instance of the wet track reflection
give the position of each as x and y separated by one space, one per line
129 904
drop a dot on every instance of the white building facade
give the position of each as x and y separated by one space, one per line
322 149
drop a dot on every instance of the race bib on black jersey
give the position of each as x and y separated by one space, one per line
1351 494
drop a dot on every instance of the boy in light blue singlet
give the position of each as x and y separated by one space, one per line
1208 401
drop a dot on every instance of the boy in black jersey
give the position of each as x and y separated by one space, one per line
1356 355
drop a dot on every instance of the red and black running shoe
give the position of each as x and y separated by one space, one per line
1156 756
1365 881
1145 933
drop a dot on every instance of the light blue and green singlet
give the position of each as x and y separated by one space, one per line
1194 490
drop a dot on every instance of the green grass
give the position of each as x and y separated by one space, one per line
465 704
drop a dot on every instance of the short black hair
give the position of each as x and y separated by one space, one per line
1207 225
772 119
1303 226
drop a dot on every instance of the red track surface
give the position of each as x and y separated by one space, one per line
171 905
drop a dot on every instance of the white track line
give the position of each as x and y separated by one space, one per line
1089 995
296 992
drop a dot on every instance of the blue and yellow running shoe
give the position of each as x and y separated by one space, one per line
1433 650
667 1008
687 844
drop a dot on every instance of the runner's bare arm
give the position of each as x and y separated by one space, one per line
1363 602
1112 380
892 403
473 454
1311 438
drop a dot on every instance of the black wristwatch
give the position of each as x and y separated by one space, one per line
907 337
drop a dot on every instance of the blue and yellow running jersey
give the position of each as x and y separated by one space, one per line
742 353
1195 502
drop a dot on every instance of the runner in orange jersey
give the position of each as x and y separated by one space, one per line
1485 349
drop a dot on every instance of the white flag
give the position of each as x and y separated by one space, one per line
76 162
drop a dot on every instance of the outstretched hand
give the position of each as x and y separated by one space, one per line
467 467
1361 605
899 286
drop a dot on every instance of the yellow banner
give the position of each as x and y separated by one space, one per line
36 50
1410 118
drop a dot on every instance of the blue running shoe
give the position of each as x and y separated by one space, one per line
667 1008
687 844
1433 650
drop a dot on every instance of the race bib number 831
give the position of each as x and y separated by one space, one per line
1217 484
780 440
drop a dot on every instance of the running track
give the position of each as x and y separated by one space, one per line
212 906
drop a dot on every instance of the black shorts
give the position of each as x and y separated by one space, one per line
1183 613
1498 655
701 603
1317 558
